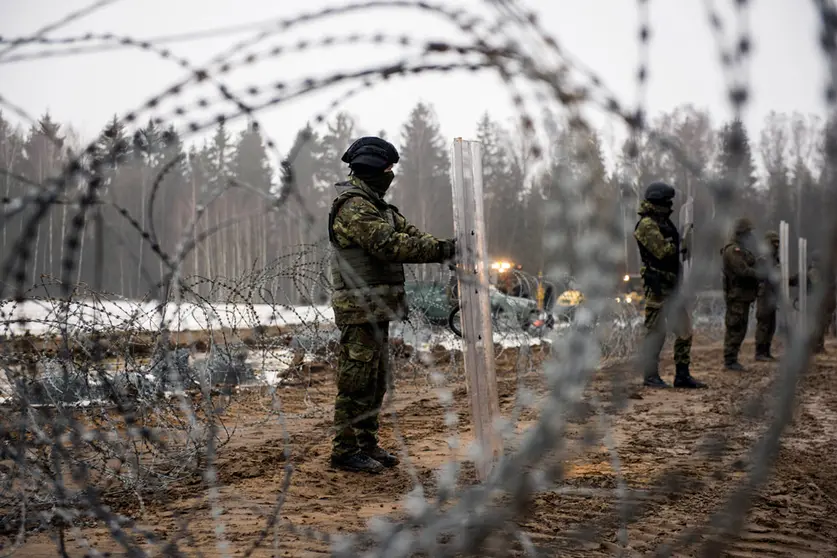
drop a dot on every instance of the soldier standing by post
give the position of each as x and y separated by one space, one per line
767 300
822 278
741 286
659 249
371 242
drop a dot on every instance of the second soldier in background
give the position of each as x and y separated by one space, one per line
741 287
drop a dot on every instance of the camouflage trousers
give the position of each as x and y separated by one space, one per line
824 319
363 375
736 320
765 323
659 320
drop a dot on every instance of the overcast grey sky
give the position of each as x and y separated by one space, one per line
787 71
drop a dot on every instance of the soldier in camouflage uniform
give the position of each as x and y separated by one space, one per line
741 286
818 277
371 242
767 299
660 250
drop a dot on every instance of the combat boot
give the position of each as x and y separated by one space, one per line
383 457
763 353
654 381
356 463
734 365
683 379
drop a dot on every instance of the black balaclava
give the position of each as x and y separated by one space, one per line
377 179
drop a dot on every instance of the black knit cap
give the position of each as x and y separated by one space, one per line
370 153
659 193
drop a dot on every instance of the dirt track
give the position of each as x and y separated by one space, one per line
658 437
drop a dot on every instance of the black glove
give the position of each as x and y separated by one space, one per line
448 249
686 244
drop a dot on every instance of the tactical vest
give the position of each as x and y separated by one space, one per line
353 267
666 269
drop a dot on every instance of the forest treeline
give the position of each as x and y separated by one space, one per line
227 197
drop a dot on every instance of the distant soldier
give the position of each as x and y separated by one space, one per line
818 277
659 248
767 300
741 286
371 241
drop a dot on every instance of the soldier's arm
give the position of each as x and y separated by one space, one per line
648 234
736 263
404 226
359 221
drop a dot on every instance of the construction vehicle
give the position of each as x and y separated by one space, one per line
631 291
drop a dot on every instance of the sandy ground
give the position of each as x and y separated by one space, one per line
661 438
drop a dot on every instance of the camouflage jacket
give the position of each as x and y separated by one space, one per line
371 242
816 277
659 249
769 267
740 274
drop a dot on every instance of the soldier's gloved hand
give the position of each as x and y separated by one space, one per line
448 249
686 245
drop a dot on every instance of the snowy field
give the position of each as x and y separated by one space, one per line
277 365
47 317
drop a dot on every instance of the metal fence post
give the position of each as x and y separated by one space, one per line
474 299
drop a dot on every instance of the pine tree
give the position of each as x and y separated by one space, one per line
173 194
251 166
339 136
219 159
422 188
735 163
43 159
502 188
11 160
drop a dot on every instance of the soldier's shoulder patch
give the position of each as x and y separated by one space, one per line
737 249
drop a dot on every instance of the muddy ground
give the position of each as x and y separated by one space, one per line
668 442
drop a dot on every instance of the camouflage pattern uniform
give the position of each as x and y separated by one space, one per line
767 300
659 248
371 242
741 286
817 277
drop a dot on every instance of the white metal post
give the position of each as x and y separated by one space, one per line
803 282
784 266
687 220
474 299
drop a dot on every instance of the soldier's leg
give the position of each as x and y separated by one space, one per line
735 322
356 375
765 328
367 428
682 326
655 338
823 319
